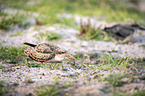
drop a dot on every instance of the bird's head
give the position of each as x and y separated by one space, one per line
62 54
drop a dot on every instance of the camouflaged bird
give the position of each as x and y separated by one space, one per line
45 51
123 32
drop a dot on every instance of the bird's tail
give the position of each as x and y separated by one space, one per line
29 44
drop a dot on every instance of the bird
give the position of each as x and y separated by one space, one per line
45 51
123 32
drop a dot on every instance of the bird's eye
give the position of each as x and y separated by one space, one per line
62 52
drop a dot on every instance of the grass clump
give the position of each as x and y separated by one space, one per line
3 89
90 32
8 21
49 19
28 80
14 54
33 64
57 80
110 63
54 19
48 36
51 91
53 66
53 36
120 93
115 79
123 93
140 93
16 34
128 66
67 22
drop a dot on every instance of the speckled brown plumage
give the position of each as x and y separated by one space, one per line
44 52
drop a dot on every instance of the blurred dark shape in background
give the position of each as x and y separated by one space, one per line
123 32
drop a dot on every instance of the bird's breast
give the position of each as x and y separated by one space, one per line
59 57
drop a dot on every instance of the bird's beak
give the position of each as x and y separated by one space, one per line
70 57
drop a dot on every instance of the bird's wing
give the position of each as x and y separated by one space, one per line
125 31
44 48
57 49
52 46
120 30
41 56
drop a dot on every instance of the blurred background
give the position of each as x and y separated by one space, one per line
104 66
126 11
